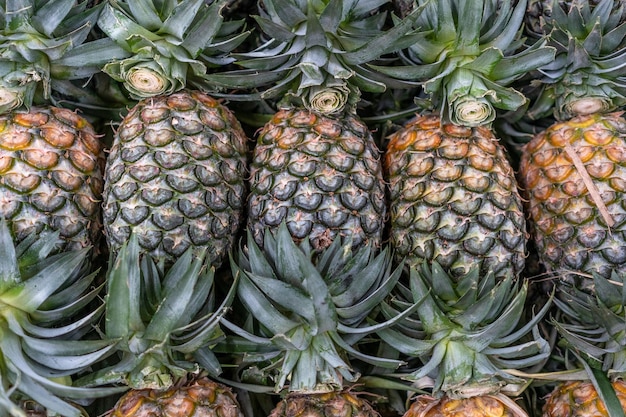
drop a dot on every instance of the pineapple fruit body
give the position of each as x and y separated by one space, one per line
329 404
454 199
574 173
51 167
580 399
201 398
176 177
485 405
320 175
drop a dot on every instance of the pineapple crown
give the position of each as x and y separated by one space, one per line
166 323
314 53
169 43
588 73
43 297
308 312
44 46
465 330
467 54
592 322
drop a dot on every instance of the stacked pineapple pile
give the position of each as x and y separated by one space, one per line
402 236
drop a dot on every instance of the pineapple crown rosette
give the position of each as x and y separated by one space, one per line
469 332
593 345
166 321
170 43
45 47
467 55
43 323
588 75
313 53
592 324
308 313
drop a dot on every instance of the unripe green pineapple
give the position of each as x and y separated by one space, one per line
175 177
319 174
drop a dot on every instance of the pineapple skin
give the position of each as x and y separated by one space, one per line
454 199
329 404
321 175
580 399
485 406
175 176
201 398
51 175
568 226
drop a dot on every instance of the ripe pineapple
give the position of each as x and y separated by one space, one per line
454 199
573 170
308 308
51 160
470 335
316 166
51 164
47 304
175 174
166 324
453 193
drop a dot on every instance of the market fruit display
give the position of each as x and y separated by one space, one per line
239 208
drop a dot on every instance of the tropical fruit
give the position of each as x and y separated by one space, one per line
316 166
51 159
454 199
572 171
175 177
175 173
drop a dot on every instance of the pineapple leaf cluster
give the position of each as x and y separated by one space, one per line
46 313
168 44
314 53
467 331
310 310
165 322
45 47
587 75
466 57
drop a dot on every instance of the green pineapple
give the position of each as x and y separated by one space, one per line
175 173
46 309
572 170
316 166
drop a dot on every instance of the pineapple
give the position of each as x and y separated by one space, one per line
316 166
454 198
166 324
592 327
46 308
572 171
307 308
471 338
453 193
175 177
51 160
175 173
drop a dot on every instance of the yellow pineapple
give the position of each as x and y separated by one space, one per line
51 159
572 171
